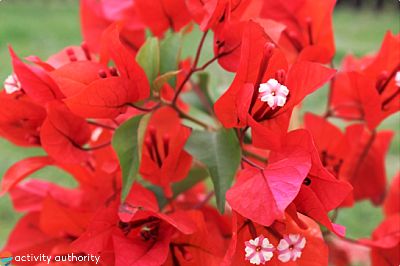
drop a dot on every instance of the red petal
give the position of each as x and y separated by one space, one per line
63 134
124 60
138 198
74 77
104 98
159 15
22 169
35 81
392 202
29 195
56 219
136 252
20 120
263 195
304 78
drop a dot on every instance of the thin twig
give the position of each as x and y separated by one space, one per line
192 70
255 156
144 109
191 118
252 163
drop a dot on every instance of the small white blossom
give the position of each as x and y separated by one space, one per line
12 84
290 247
259 250
273 93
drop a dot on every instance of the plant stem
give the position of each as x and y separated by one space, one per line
191 118
192 70
245 159
255 156
144 109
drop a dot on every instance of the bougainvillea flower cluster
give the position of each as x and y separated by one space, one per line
168 172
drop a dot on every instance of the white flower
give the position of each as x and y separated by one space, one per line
290 247
259 250
397 78
12 84
273 93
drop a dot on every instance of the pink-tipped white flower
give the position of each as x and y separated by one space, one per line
397 78
290 247
259 250
12 84
273 93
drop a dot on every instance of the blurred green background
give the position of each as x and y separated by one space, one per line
44 27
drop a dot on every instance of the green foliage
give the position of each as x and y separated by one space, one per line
148 58
195 176
170 51
220 152
164 78
43 27
127 142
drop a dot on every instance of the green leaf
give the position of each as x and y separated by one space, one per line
148 58
127 142
220 152
204 81
195 176
170 50
162 79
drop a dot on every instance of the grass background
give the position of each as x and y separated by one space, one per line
43 27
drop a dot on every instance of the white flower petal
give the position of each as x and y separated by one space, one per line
283 90
254 242
296 254
273 93
266 244
267 255
249 251
283 244
284 257
267 97
272 82
12 84
280 101
264 88
271 102
302 243
293 238
255 260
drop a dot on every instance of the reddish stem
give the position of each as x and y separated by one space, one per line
144 109
192 70
252 163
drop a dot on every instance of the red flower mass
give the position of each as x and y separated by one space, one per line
134 123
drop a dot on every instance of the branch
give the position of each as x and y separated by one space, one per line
191 118
246 160
192 70
144 109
